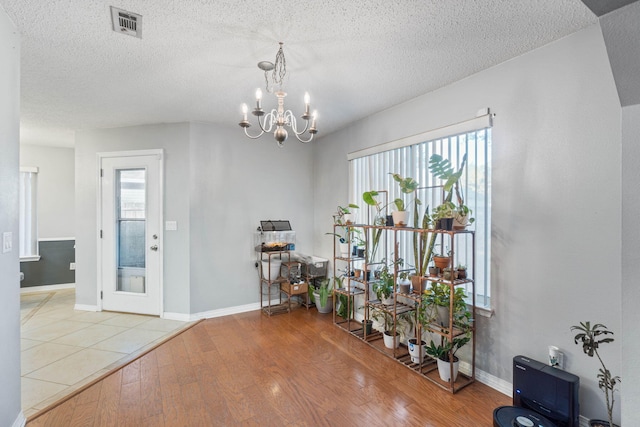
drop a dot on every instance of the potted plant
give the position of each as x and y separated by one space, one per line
404 284
370 198
391 339
462 217
323 295
462 271
344 214
345 239
407 186
590 337
445 355
443 215
384 287
460 214
438 297
441 261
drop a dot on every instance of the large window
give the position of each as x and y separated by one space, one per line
372 172
28 214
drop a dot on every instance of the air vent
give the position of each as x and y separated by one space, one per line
126 22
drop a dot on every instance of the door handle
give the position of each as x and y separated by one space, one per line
154 248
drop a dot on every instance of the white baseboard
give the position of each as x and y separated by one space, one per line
85 307
21 421
215 313
177 316
44 288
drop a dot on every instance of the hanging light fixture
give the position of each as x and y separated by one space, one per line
277 119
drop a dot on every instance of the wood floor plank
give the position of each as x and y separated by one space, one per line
248 369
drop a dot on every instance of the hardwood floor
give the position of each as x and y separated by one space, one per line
248 369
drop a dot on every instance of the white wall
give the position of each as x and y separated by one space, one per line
9 264
630 266
218 186
56 188
556 197
174 139
235 182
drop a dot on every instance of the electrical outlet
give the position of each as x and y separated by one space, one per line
72 266
7 241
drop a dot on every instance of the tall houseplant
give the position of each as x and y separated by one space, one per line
590 337
370 198
322 295
441 168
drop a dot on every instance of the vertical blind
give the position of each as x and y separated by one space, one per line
372 172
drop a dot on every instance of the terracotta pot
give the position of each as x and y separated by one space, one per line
419 284
441 262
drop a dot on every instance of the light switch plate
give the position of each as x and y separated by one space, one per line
7 244
171 225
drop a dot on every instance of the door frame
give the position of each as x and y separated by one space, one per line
132 153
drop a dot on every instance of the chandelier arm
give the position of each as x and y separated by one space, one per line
253 137
293 123
269 119
303 140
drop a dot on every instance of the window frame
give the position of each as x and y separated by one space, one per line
28 213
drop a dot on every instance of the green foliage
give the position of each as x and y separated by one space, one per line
447 347
344 306
590 337
325 288
442 168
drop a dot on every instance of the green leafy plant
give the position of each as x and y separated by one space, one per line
447 348
344 307
590 337
439 295
349 234
441 168
325 289
383 317
341 211
370 198
407 186
383 288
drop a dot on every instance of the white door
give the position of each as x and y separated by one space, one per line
130 247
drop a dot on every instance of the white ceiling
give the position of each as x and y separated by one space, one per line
196 60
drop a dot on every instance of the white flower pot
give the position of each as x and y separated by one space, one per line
460 221
348 218
327 308
391 341
344 250
444 369
388 301
271 271
414 350
400 218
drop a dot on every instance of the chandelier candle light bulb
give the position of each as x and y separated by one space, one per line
258 99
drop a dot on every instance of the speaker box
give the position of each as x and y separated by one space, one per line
546 390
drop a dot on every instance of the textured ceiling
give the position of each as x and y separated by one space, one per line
196 60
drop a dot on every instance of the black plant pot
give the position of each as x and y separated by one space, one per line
367 326
444 224
389 221
360 253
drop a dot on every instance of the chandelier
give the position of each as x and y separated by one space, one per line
277 119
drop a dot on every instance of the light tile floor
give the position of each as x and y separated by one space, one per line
63 349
